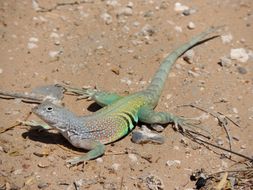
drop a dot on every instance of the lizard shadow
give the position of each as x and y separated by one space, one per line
47 137
93 107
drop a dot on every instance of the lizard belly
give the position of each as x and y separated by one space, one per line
107 129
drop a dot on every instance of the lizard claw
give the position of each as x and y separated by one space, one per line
83 93
74 161
185 125
87 93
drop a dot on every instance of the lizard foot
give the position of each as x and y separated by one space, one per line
83 93
98 150
75 161
186 125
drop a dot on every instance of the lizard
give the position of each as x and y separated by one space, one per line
118 114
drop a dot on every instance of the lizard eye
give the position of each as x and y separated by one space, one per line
49 109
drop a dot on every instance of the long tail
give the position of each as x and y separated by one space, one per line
158 81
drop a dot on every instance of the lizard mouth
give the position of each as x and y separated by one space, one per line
34 109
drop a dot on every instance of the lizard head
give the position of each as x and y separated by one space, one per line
56 116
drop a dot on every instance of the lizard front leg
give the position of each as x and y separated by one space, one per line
102 98
95 148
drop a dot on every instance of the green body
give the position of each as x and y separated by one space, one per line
119 114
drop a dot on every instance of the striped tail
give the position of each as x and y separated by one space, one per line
158 81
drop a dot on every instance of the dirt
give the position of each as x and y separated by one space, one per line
76 43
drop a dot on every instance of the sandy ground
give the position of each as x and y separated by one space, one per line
117 46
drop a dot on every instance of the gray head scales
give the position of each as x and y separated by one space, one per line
56 116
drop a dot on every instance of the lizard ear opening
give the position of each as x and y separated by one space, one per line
49 109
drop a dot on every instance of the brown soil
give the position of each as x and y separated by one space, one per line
56 41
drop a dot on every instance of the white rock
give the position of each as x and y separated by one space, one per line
107 18
239 54
112 2
191 25
99 160
35 5
130 4
226 38
115 166
1 70
179 7
136 23
225 61
235 110
147 30
192 73
54 53
133 157
126 80
54 35
33 39
31 45
126 11
189 55
18 172
173 162
178 28
168 96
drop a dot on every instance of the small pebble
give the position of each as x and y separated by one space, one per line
239 54
235 110
33 39
54 53
31 45
241 70
219 142
130 4
226 38
136 23
188 12
115 166
147 30
126 11
192 73
225 62
179 7
191 25
126 81
1 70
173 162
99 160
189 55
154 182
54 35
106 18
43 185
168 96
178 29
112 2
35 5
79 183
133 157
145 135
18 171
243 146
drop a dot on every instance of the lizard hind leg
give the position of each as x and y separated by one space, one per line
97 150
148 115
